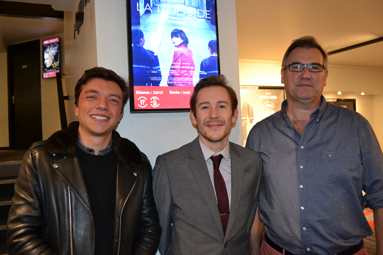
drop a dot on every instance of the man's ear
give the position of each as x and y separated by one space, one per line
325 77
235 116
75 109
283 76
193 118
122 114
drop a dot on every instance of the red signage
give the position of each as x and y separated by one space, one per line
151 98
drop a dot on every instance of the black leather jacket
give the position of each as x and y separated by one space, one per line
50 212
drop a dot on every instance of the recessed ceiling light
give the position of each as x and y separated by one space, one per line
362 93
339 93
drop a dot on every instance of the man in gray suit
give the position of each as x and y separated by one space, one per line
207 191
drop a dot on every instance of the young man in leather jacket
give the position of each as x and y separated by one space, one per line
86 190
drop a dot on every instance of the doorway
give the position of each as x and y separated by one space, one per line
25 125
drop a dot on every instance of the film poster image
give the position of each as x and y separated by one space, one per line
51 59
174 45
257 104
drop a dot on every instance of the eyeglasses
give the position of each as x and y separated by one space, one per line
315 68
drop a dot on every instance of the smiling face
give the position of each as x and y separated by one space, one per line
177 41
305 86
99 110
214 117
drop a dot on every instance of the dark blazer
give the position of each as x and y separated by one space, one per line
187 206
51 212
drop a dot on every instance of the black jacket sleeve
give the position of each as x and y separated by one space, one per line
25 230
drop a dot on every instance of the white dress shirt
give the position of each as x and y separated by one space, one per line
224 167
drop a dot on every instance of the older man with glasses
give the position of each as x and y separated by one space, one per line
317 160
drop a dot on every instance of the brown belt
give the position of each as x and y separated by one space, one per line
349 251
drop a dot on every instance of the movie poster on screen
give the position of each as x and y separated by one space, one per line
51 57
172 45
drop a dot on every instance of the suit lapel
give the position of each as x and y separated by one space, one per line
237 172
198 166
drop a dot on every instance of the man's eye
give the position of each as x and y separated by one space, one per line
296 67
315 67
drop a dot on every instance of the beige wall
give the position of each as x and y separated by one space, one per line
378 119
50 113
350 80
4 134
80 52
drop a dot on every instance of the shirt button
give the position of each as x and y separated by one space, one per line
308 249
302 208
301 186
301 167
55 165
304 228
302 147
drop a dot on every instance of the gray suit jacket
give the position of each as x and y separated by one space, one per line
187 205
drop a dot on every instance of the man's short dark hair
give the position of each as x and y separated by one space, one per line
304 42
181 34
105 74
214 80
213 46
137 34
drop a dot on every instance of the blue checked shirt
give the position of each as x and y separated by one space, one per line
311 201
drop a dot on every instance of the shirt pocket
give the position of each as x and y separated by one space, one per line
335 165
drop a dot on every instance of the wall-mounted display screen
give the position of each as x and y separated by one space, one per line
172 45
51 57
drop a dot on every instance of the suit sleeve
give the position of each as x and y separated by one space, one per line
163 198
25 228
148 234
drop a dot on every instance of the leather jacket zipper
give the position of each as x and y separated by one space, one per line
119 227
70 221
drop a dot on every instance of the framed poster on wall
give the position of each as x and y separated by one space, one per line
257 103
51 57
345 103
172 44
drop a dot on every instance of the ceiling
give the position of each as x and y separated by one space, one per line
265 27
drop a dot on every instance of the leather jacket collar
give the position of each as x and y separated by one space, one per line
65 142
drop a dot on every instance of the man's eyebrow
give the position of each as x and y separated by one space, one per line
115 95
91 91
219 102
315 63
203 103
98 92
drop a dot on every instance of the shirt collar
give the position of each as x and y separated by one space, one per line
207 153
318 113
91 151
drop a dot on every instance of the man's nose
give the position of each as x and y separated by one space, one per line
102 103
306 73
213 112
